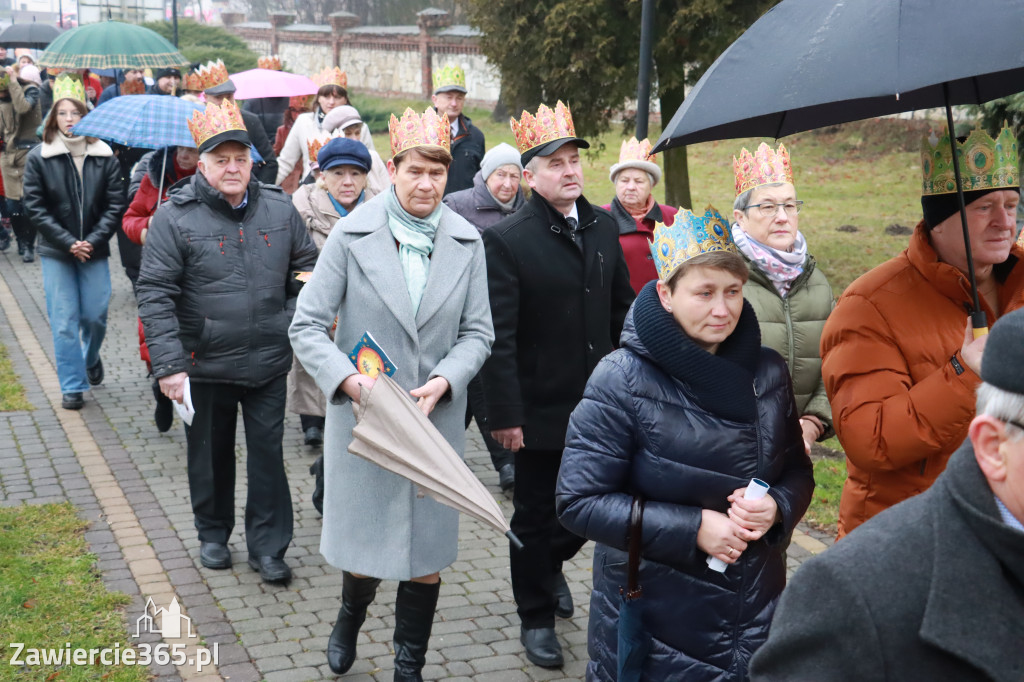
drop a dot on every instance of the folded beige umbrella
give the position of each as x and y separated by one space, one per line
392 433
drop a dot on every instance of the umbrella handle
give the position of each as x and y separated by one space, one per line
516 542
979 321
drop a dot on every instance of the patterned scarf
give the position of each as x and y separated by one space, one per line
781 267
415 238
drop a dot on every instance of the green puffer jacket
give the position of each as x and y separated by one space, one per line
792 326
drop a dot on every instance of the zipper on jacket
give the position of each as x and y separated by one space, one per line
600 258
789 336
79 192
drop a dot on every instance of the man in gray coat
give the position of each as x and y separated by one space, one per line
216 294
929 589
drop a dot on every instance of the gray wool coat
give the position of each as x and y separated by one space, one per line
374 522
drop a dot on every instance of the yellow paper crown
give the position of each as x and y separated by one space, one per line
273 62
689 235
214 120
133 87
532 131
68 85
416 130
984 163
333 76
212 74
634 150
763 167
448 76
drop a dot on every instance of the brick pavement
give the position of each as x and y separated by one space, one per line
130 482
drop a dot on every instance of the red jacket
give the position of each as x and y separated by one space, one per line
635 237
145 203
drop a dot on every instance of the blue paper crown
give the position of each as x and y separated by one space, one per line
689 236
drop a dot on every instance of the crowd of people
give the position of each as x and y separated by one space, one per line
631 368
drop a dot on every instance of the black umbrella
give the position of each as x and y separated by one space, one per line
29 35
813 63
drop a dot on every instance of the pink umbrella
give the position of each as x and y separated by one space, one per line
256 83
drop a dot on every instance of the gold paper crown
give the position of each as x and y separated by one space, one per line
984 163
212 74
333 76
317 143
633 150
192 82
215 120
689 235
133 87
68 85
533 131
450 75
273 62
415 130
303 102
761 168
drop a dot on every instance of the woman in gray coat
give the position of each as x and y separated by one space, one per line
412 273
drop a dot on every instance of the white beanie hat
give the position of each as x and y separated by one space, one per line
500 155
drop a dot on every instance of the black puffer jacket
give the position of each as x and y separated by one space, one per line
683 446
216 292
67 207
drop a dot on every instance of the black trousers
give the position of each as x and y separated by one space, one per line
211 464
546 543
476 407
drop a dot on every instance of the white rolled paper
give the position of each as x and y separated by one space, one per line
756 489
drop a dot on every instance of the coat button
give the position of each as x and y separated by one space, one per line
590 347
587 290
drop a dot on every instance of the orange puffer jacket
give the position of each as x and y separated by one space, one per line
900 404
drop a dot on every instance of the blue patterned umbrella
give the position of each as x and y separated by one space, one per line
150 121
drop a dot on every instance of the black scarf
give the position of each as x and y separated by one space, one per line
724 381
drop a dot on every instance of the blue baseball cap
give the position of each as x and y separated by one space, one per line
342 151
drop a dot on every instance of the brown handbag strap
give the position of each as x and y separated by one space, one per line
636 539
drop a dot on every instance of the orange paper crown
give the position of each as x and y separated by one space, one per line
533 131
133 87
215 120
192 82
212 74
273 62
415 130
761 168
633 150
317 143
333 76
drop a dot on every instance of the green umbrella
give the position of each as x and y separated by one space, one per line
111 45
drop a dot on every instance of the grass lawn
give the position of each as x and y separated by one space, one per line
52 598
12 393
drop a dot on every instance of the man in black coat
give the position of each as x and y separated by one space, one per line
933 588
216 295
266 172
467 140
559 290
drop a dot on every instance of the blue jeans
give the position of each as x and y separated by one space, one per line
77 298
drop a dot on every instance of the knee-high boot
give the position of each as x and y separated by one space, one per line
414 617
356 595
25 233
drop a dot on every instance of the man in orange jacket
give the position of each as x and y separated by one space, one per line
899 359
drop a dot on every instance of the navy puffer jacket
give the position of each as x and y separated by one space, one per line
684 446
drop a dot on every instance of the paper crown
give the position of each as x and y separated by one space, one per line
211 74
192 82
763 167
688 236
636 150
419 130
133 87
317 143
215 120
984 163
333 76
273 62
532 131
68 85
449 76
301 102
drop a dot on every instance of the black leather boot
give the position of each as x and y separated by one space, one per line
414 617
356 595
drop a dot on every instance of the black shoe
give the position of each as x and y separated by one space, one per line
214 555
356 595
271 569
72 401
507 477
316 470
95 373
29 255
414 618
314 436
21 247
164 413
542 647
564 607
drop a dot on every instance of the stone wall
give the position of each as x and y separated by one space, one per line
379 60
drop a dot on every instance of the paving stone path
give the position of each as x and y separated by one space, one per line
129 481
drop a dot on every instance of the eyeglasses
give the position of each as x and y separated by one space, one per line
770 210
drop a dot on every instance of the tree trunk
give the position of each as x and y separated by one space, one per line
677 172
